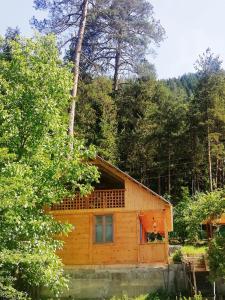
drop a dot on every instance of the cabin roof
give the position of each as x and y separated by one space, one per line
102 160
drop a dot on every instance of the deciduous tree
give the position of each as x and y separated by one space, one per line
34 168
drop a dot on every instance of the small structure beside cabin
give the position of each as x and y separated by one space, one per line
213 226
121 222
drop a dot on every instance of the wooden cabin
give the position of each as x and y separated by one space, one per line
121 222
214 226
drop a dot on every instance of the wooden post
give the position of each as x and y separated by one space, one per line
214 290
194 281
166 236
138 238
91 238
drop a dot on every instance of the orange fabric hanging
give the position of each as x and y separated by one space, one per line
152 222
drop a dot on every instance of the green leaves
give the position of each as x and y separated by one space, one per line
216 258
205 207
37 167
37 88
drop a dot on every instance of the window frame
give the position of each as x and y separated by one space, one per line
104 229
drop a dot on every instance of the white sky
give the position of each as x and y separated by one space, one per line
191 27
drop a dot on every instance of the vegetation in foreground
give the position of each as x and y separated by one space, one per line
161 295
193 250
37 166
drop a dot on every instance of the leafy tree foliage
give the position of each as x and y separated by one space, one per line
96 116
204 207
35 171
180 210
152 124
216 258
208 207
188 82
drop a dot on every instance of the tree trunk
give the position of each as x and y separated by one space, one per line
222 173
217 174
116 72
169 172
77 56
209 161
159 184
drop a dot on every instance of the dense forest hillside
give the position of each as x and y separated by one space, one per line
156 130
166 133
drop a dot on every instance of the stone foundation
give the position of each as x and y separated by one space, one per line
105 282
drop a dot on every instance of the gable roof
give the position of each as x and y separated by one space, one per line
106 163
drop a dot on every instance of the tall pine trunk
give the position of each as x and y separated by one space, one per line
77 56
209 160
159 184
169 170
116 72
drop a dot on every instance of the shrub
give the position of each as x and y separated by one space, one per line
177 256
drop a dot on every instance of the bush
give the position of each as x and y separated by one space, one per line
196 297
159 295
217 258
177 256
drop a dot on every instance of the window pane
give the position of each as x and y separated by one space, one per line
99 229
108 233
98 219
98 233
103 229
108 219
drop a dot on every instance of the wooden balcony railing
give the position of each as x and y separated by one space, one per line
97 199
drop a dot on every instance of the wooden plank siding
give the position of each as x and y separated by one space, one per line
80 248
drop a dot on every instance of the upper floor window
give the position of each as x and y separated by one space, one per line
104 229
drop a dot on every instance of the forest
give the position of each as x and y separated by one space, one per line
168 134
85 85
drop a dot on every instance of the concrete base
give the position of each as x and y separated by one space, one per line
105 282
220 288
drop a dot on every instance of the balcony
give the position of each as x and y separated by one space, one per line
97 199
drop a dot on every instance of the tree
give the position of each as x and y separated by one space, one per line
208 111
34 168
152 122
145 70
208 207
208 64
64 16
205 207
216 258
180 222
96 119
119 34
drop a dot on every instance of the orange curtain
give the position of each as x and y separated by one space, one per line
152 222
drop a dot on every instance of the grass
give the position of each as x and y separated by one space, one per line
193 250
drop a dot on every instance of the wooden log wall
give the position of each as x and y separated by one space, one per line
126 248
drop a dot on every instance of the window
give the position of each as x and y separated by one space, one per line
104 229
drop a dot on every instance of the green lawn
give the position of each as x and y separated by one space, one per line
193 250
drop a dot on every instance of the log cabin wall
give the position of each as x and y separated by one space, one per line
126 248
80 247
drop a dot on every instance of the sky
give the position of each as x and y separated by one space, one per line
191 27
